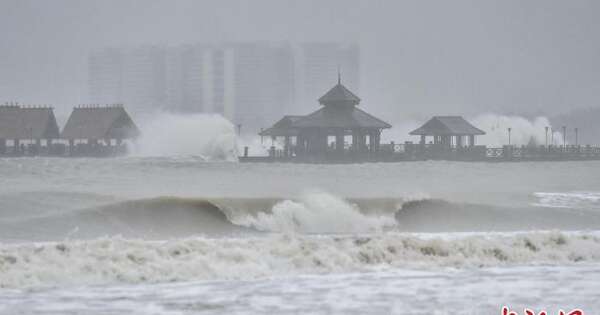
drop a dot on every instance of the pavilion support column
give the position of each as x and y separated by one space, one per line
339 141
71 147
423 140
16 146
362 140
286 147
300 145
377 141
472 140
459 141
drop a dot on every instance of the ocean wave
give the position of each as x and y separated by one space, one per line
318 213
312 213
573 200
119 260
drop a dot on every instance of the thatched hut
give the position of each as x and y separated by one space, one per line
34 125
98 130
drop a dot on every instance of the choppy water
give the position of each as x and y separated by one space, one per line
183 236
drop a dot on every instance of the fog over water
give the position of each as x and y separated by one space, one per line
180 226
417 57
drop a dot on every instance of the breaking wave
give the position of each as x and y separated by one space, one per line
317 213
573 200
209 136
119 260
312 213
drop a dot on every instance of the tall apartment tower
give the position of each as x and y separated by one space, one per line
317 66
262 88
250 83
105 76
135 77
195 79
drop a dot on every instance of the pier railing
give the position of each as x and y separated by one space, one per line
415 152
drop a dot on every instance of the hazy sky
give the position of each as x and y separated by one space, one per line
418 57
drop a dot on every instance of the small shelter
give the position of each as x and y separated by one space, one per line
93 124
338 118
27 123
448 130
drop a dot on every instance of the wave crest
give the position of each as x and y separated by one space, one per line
316 213
118 260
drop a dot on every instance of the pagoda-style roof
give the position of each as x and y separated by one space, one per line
339 95
283 127
111 122
18 122
447 126
339 112
340 117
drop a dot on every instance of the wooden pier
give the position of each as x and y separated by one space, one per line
418 152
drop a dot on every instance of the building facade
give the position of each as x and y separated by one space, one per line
250 83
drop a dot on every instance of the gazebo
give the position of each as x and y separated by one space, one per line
338 118
448 131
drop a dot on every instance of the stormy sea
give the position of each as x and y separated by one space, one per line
183 235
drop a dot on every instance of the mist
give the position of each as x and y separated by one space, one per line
418 58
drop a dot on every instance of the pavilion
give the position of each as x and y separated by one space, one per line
97 128
29 124
448 131
325 131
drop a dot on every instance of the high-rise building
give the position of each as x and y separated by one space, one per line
263 82
135 77
317 66
250 83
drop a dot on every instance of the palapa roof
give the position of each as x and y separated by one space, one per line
18 122
447 126
111 122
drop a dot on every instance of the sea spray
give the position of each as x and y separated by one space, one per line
523 131
316 212
118 260
209 136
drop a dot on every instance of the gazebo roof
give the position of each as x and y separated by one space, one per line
447 126
283 127
340 117
18 122
339 94
111 122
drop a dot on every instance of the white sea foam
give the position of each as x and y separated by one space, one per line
209 136
316 212
118 260
523 130
573 200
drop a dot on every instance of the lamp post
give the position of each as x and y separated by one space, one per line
576 136
509 131
546 136
564 137
552 135
239 129
261 135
